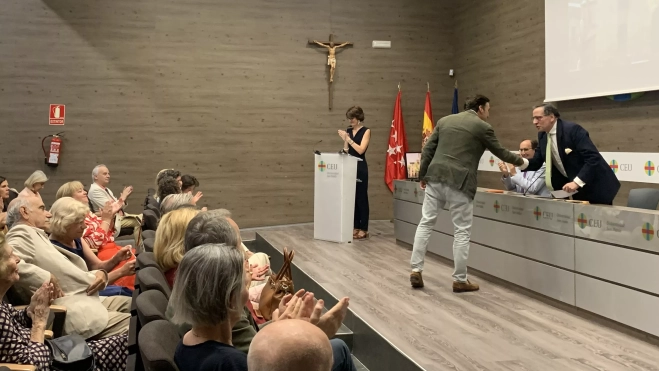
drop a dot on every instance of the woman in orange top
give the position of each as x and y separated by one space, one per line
99 230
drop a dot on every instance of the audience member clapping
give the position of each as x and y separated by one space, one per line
189 184
22 331
75 286
67 227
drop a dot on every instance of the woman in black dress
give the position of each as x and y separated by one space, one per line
355 142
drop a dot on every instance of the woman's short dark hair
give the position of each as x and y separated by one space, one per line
189 181
534 144
475 102
355 112
168 186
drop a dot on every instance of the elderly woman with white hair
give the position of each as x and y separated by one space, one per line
209 293
34 184
22 331
100 230
67 226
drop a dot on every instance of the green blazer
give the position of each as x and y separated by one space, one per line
454 149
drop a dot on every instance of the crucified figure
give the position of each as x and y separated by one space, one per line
331 57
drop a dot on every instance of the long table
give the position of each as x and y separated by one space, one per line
603 259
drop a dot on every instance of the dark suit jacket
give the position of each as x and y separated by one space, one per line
585 162
454 149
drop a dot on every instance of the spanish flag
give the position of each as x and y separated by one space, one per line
428 125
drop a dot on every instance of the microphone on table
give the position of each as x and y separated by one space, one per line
314 147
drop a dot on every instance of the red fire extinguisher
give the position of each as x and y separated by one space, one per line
52 157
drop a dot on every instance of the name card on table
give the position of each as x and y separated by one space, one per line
635 228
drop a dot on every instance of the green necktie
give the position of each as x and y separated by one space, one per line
548 163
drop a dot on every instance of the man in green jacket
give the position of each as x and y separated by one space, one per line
449 167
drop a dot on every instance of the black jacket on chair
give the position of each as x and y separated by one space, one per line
583 161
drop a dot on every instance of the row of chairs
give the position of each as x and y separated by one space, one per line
152 339
151 211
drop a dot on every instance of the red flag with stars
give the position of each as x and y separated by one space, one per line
395 164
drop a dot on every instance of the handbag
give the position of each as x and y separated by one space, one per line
71 353
276 288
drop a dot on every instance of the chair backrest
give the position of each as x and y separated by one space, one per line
152 278
148 244
151 306
157 342
148 234
150 219
91 205
147 259
643 198
153 208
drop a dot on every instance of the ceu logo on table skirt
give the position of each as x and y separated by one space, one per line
491 161
649 168
582 221
614 165
496 206
537 213
647 231
322 166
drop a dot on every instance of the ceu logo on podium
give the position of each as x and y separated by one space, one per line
537 213
582 221
496 206
322 166
614 166
649 168
647 231
491 161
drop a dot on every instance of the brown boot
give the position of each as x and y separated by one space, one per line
464 286
416 280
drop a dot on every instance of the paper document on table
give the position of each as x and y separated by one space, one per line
562 194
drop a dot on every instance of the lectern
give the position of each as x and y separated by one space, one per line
334 196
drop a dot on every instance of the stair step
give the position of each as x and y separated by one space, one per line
358 365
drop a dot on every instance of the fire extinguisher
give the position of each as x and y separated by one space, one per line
52 157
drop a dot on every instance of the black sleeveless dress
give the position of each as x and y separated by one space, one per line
361 192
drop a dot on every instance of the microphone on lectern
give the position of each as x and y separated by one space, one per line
314 147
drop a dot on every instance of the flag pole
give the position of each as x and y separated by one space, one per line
398 86
428 86
456 84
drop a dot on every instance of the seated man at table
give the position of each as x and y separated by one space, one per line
530 182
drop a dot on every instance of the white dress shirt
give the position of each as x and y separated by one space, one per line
556 157
530 182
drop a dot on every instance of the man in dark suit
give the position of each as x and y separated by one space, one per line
573 162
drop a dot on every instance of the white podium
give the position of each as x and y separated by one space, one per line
334 196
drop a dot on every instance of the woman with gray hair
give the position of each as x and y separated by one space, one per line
67 226
34 184
177 201
209 293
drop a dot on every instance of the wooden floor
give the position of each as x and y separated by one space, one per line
493 329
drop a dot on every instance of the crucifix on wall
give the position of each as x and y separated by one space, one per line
331 47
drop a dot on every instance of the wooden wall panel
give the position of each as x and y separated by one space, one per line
228 91
500 53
